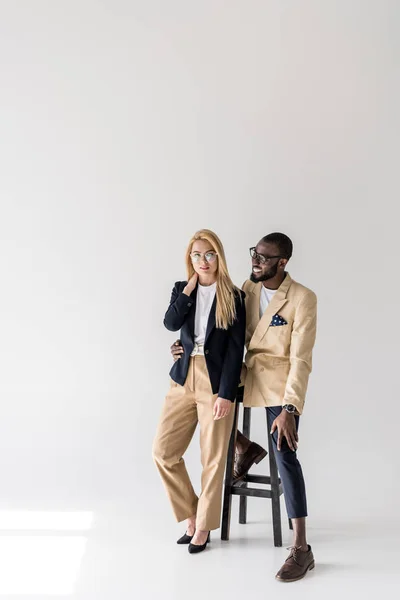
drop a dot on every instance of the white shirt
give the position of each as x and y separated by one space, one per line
265 298
205 298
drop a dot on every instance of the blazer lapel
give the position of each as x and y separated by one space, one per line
192 313
252 311
211 319
273 308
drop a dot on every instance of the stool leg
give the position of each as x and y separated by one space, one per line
226 509
275 497
290 524
243 499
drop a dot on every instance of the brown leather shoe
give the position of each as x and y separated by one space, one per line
296 565
243 462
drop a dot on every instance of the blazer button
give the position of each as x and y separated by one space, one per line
206 352
189 304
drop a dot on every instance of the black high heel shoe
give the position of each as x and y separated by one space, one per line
195 548
185 539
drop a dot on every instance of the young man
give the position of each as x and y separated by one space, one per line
280 335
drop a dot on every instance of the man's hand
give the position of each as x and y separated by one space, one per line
221 408
286 426
177 350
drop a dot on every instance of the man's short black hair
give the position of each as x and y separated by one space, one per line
282 241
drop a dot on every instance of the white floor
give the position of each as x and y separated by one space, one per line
117 554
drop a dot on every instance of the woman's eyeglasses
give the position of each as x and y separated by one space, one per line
260 257
209 257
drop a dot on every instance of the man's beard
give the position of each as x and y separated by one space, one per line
268 275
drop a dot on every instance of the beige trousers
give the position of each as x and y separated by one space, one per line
184 407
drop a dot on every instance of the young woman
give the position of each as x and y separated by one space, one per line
210 312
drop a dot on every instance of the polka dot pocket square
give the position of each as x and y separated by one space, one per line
277 321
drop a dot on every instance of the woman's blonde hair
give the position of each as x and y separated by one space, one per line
225 313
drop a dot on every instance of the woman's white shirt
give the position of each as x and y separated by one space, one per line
204 301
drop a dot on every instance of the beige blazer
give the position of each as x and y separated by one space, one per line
279 359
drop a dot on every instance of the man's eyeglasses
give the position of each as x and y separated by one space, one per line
260 257
209 257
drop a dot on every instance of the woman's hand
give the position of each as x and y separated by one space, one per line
221 408
191 284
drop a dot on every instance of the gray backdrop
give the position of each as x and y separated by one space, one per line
126 126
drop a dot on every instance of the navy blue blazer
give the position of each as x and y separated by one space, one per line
223 348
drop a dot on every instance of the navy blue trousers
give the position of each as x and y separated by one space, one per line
289 468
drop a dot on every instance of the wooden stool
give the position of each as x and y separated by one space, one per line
242 489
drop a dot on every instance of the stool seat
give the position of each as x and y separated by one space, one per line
241 488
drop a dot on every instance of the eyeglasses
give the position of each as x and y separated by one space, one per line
260 257
209 257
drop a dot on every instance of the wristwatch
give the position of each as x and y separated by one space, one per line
290 408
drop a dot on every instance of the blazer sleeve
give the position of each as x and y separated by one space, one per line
232 365
301 347
179 307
